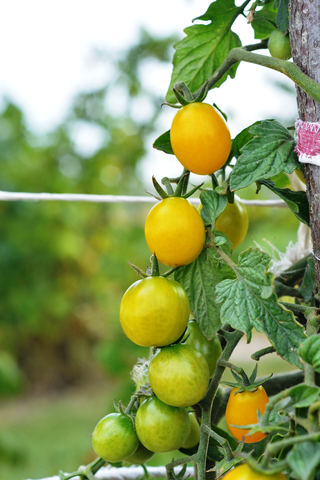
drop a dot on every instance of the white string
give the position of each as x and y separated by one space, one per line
130 473
81 197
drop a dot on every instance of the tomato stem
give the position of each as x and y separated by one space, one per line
155 272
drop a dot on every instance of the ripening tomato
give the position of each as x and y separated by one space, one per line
200 138
160 427
175 232
242 410
179 375
210 349
194 435
233 222
244 472
141 455
114 437
154 311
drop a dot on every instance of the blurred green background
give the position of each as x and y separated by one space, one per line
63 356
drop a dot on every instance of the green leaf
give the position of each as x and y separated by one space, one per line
309 351
296 201
282 18
213 205
303 459
308 285
270 152
303 396
199 280
248 302
163 143
205 47
241 140
264 22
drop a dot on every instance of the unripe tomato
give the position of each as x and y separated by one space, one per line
179 375
200 138
160 427
242 410
233 222
194 435
154 312
140 456
279 45
210 349
175 232
114 437
244 472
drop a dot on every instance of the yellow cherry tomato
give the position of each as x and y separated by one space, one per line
233 222
242 410
244 472
175 232
200 138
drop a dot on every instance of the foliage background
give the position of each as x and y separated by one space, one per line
64 269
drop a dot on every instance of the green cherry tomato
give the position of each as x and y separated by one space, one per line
242 410
234 222
175 232
114 437
200 138
160 427
179 375
194 435
154 312
210 349
244 472
140 456
279 45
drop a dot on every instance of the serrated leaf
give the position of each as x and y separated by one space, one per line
199 279
282 17
303 459
270 152
248 302
296 201
309 351
264 22
163 143
205 47
241 140
213 205
308 285
303 396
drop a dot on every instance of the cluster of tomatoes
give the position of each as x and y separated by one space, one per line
155 310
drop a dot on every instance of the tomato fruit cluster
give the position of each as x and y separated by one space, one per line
200 138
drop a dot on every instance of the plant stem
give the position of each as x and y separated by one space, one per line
241 54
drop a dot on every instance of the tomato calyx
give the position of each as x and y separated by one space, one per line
243 383
180 190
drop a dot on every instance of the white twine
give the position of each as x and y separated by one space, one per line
130 473
81 197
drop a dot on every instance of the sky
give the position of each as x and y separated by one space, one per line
46 58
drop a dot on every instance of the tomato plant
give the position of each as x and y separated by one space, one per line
232 297
210 349
179 375
160 427
244 472
175 232
114 437
200 138
141 455
234 222
242 410
154 311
